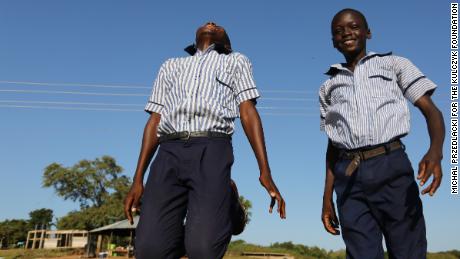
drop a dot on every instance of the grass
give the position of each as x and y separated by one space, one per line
37 253
233 253
305 252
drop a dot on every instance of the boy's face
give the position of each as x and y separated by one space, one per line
209 30
349 34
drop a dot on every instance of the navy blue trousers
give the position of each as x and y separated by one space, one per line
381 199
186 202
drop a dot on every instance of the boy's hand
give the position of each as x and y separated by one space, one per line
132 200
329 218
430 165
431 162
267 182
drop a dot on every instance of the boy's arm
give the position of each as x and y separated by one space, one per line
417 89
148 148
328 215
252 126
431 162
150 143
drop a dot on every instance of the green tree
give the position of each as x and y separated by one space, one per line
89 182
13 231
41 218
96 184
247 206
93 217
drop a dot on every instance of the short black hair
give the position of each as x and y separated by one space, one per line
350 10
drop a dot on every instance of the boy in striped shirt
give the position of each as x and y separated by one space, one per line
364 112
193 105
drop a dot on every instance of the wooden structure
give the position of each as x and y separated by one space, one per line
39 239
115 239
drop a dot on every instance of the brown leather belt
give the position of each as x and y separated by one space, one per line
185 135
357 156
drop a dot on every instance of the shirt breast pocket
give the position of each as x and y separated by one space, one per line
382 83
222 88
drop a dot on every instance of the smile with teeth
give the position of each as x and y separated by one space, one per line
349 42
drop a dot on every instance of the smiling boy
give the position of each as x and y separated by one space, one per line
364 113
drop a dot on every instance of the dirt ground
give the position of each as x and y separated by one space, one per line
64 257
116 257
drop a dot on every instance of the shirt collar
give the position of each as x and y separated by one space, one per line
193 50
334 69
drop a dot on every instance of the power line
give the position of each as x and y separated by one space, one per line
289 114
15 102
69 92
134 86
126 110
287 99
75 84
289 91
129 86
287 108
127 94
71 103
66 108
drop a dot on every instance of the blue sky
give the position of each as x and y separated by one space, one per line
124 43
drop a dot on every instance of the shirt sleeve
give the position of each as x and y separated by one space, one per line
322 107
161 85
245 87
411 80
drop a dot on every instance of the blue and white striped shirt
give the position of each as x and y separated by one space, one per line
367 107
201 92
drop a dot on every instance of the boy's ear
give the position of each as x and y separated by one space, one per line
369 34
